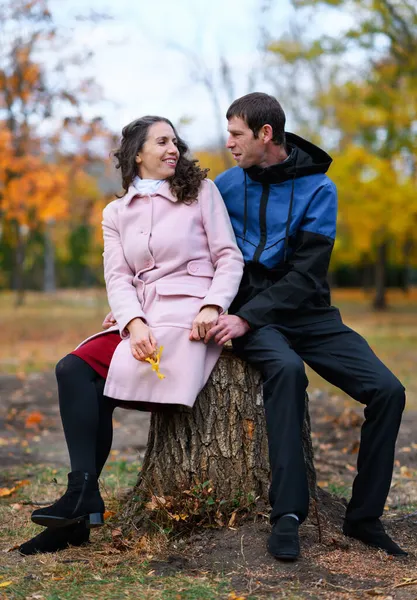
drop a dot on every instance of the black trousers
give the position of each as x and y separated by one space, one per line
342 357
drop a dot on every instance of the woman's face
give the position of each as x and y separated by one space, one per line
159 155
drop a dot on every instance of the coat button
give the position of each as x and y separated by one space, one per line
193 269
145 231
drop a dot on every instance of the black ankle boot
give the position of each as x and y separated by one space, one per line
81 502
53 540
283 543
372 533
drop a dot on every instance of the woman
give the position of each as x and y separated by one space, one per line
171 266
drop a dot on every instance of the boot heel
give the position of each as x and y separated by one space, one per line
95 520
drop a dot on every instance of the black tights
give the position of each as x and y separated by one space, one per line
87 415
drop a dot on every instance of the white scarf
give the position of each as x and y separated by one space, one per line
147 186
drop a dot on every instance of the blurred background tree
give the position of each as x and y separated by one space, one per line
40 149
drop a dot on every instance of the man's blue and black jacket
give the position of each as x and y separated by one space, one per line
284 219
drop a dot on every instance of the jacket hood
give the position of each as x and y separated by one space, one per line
304 158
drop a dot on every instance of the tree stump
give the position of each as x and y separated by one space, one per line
220 445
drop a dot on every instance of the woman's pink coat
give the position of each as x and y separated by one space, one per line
163 261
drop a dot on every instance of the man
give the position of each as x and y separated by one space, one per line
283 211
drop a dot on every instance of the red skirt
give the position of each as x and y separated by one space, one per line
99 351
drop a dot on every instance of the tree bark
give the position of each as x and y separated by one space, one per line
18 279
380 300
49 280
222 440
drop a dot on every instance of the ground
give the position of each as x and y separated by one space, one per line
228 563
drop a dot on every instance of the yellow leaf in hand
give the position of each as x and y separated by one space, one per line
154 362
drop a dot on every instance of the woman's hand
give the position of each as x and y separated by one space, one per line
109 321
142 343
204 321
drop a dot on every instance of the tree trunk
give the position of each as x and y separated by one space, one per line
406 267
380 300
49 282
18 267
222 440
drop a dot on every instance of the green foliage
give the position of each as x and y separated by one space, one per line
364 110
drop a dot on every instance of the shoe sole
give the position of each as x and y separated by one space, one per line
285 557
92 521
403 554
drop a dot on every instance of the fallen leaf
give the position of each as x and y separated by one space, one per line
116 533
33 419
108 514
406 581
5 583
405 471
15 547
234 596
7 492
232 519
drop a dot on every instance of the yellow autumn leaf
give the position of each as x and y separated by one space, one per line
5 584
234 596
154 362
7 492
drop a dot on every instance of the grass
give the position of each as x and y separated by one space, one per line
47 327
107 573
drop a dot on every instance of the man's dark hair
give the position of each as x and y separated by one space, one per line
258 109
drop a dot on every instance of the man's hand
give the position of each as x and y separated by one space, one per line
204 321
109 321
228 327
142 343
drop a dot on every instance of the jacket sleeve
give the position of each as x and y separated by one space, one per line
225 254
118 275
308 265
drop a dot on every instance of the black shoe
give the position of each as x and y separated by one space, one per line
283 542
53 540
372 533
81 502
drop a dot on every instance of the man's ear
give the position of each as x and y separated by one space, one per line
266 133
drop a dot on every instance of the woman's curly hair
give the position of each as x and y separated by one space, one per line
186 181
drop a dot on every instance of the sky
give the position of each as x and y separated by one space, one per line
145 57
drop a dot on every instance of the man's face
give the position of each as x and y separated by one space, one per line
245 148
